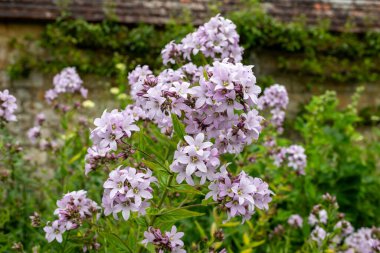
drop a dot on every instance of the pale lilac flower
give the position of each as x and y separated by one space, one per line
318 216
275 99
54 231
40 119
364 240
167 242
8 106
345 227
127 190
318 235
197 158
73 209
216 39
170 53
295 220
34 133
111 128
67 81
294 156
240 195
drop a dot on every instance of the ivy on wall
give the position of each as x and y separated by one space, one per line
96 48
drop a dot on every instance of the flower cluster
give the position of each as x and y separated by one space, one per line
72 210
220 105
67 81
275 99
239 195
111 128
127 190
365 240
137 74
168 242
8 106
294 156
216 39
34 133
317 216
196 158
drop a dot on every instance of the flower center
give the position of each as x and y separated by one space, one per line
194 159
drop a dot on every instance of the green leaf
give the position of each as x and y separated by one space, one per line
174 215
179 128
117 242
186 189
200 229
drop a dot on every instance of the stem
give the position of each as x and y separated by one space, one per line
64 244
159 206
148 155
162 199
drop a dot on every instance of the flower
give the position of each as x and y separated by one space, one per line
275 99
8 106
55 231
111 128
364 241
318 235
216 39
73 209
127 190
317 216
167 242
294 156
240 195
67 81
196 158
295 220
34 133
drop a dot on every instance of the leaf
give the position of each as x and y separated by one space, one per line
77 156
231 224
246 239
117 242
174 215
200 229
179 128
186 189
256 244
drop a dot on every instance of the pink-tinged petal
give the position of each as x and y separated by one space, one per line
202 167
189 140
109 184
59 238
113 193
125 214
199 138
183 159
190 168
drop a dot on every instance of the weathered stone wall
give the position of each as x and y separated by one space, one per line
362 14
30 92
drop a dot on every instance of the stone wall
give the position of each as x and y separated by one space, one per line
362 14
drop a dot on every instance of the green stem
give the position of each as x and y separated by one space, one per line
64 244
159 206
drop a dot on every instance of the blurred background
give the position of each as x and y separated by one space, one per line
309 46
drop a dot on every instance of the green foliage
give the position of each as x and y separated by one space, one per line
339 160
312 51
